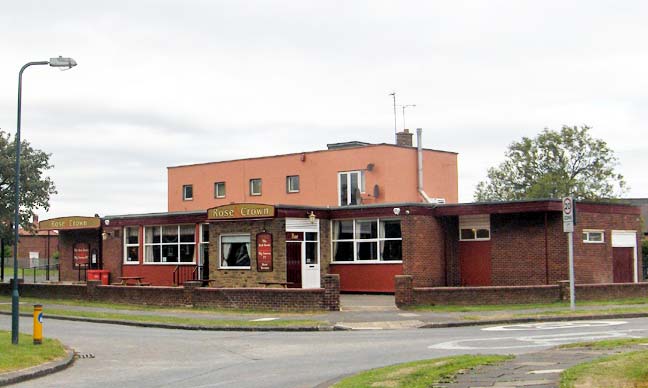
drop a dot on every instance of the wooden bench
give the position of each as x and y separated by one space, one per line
283 284
124 281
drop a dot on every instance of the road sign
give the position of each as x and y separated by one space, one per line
568 214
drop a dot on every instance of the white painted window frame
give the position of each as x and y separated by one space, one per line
587 232
184 192
220 251
361 185
216 195
146 262
252 192
475 226
289 184
127 245
355 242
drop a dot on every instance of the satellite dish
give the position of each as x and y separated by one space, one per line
376 191
370 167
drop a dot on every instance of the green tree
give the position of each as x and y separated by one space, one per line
35 187
554 164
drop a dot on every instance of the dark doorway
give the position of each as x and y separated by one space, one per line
622 264
293 263
475 263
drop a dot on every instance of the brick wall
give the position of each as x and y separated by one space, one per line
609 291
272 299
423 250
38 244
112 252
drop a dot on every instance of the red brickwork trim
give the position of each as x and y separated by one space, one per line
273 299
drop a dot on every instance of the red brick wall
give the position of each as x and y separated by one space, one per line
67 239
423 250
111 254
367 277
38 244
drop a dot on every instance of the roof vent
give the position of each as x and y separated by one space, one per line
346 144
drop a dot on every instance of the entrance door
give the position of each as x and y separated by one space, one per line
310 265
624 256
293 263
622 263
475 263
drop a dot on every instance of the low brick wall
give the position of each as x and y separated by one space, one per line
407 295
271 299
609 291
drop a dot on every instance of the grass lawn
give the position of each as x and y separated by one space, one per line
417 374
606 344
618 371
25 354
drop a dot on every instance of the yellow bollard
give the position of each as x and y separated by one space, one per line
38 324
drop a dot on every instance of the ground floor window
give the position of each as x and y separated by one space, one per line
474 227
131 244
593 236
371 240
235 251
170 244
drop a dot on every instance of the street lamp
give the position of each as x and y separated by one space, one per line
63 64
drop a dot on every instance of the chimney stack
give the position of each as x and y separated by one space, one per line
404 138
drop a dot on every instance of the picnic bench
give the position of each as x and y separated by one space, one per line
283 284
131 281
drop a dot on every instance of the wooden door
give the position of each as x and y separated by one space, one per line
475 263
622 263
293 263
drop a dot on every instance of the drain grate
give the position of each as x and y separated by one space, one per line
84 355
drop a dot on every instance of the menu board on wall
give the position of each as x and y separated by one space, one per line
81 254
264 252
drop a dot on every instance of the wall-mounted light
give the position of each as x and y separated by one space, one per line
105 235
311 217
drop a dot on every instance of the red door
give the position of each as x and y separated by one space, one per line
293 263
475 263
622 264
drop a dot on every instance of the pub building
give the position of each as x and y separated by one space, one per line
367 212
256 245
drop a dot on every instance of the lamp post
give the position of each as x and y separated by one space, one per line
64 64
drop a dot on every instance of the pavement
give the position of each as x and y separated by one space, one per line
358 312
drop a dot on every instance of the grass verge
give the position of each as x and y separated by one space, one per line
417 374
606 344
619 371
176 320
25 354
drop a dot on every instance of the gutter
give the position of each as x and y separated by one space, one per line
419 152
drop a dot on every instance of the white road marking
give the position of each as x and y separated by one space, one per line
521 342
264 319
409 315
545 371
555 325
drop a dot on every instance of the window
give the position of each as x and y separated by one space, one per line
255 186
187 192
235 251
292 184
350 185
369 240
131 245
474 227
593 236
169 244
219 190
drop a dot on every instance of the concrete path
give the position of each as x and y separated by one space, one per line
536 370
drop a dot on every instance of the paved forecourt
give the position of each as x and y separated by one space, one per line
139 357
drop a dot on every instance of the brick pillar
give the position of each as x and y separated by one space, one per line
404 290
91 289
331 292
564 290
189 291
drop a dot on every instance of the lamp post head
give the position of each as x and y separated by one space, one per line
62 63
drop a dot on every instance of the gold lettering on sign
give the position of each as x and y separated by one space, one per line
241 211
64 223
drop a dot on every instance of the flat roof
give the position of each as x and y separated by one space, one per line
311 152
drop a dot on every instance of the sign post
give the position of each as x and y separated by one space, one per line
568 207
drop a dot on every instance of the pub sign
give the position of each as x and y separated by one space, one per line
241 211
264 252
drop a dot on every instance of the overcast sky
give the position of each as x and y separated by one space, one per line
163 83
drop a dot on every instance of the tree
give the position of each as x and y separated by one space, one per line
553 165
35 187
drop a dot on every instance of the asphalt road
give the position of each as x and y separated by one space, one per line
139 357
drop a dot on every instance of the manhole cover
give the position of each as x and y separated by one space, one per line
84 355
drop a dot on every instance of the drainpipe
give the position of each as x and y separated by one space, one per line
419 151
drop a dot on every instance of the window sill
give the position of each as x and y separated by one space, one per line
234 268
593 242
132 263
169 263
474 239
367 262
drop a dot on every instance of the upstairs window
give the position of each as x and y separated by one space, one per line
593 236
187 192
474 227
292 183
219 190
350 185
255 186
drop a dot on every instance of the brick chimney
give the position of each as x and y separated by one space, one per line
404 138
